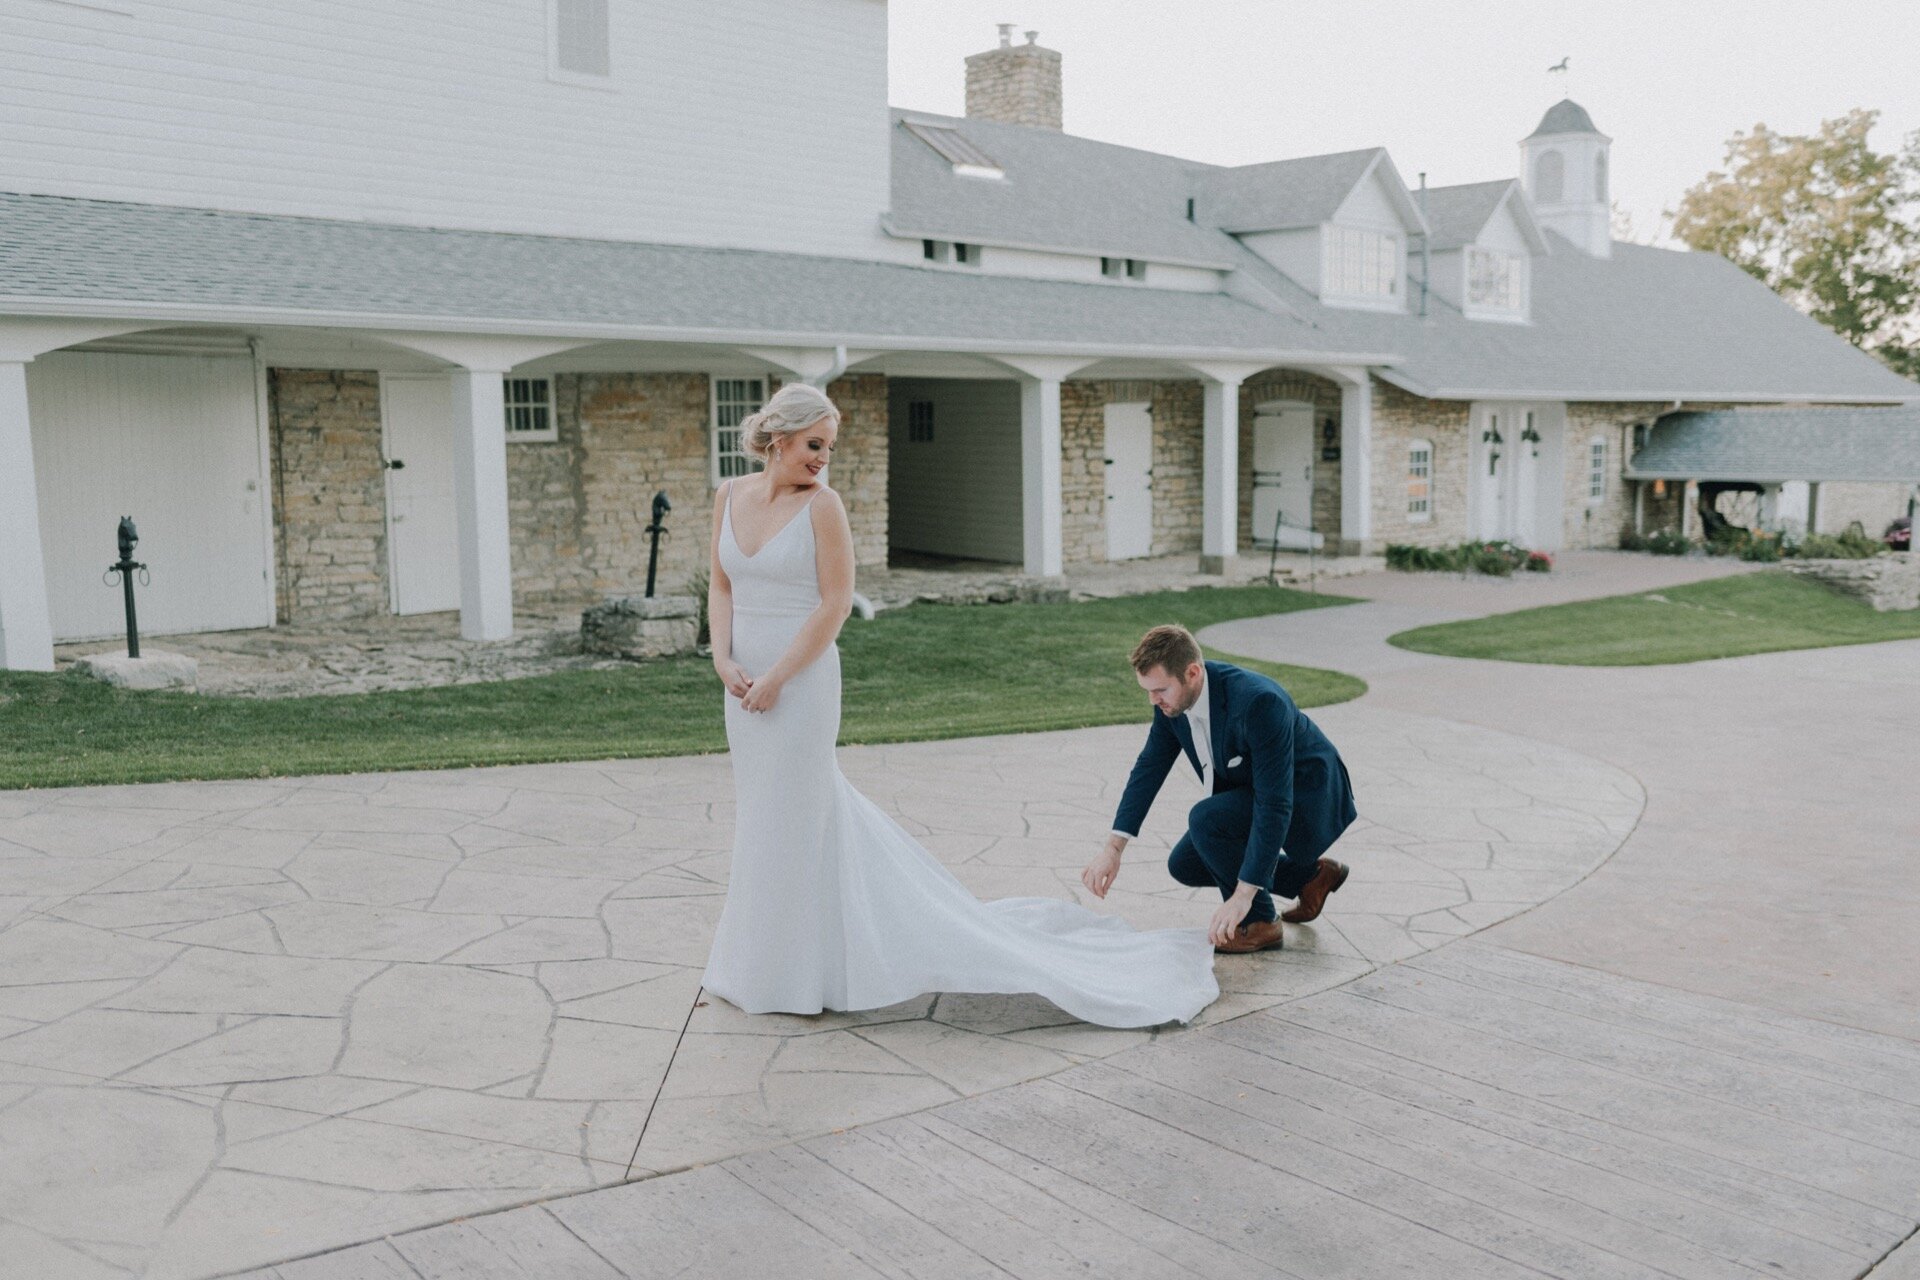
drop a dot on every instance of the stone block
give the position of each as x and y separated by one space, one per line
1885 583
150 670
641 626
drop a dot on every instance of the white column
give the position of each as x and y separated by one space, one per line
1219 473
1356 462
1040 501
26 624
480 504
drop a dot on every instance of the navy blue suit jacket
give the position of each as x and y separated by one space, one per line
1302 797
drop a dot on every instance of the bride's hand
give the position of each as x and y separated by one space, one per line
761 696
734 676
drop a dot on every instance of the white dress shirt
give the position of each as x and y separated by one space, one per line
1202 731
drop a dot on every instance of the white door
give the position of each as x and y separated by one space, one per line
1129 468
423 549
1495 437
1519 474
1283 478
174 442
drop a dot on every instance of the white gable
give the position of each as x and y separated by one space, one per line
1503 232
1372 204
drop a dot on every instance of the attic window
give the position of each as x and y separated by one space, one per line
968 160
954 251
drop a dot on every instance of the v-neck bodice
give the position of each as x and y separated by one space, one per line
781 577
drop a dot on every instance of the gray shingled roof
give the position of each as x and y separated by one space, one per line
1771 445
1455 215
1060 192
1564 116
1645 324
350 272
1283 193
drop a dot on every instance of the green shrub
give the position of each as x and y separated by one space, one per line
1661 542
1729 540
1408 558
1761 549
1497 558
1854 544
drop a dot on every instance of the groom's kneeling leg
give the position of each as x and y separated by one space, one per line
1217 831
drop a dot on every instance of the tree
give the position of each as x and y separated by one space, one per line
1825 221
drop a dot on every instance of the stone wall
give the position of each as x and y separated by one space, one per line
578 506
1884 582
1400 418
1603 524
1306 388
639 433
1875 506
860 454
329 495
1176 410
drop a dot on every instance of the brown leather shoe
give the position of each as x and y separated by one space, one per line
1328 876
1262 936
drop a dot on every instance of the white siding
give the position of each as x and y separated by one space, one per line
1448 279
172 441
755 123
960 494
1296 253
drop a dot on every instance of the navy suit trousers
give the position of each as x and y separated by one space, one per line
1210 853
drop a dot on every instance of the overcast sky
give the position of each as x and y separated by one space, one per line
1448 86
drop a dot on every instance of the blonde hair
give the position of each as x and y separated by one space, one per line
794 407
1172 648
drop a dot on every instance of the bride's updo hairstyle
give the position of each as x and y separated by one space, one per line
794 407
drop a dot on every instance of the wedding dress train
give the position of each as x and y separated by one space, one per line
831 904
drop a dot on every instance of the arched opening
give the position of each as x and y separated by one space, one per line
1549 177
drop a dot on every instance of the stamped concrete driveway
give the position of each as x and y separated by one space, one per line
1566 1093
247 1021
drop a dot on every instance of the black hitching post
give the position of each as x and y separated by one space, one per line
129 536
656 531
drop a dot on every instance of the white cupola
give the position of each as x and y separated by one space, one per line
1563 164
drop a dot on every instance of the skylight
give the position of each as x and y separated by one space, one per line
957 150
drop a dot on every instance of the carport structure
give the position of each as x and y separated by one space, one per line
1789 455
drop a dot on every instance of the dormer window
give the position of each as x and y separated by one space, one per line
1496 281
967 159
1361 264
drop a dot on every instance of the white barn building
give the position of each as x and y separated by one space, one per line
414 308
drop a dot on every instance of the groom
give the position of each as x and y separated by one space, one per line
1278 793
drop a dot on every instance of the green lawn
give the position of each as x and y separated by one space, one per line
929 671
1724 618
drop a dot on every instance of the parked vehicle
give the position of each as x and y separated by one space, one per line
1899 534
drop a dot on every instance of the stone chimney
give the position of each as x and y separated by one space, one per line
1015 84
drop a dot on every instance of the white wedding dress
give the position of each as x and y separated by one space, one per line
831 904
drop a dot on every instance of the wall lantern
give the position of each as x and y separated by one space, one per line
1659 488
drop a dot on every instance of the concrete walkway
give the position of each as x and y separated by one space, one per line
489 971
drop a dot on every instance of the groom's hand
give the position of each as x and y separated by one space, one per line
1231 913
1105 867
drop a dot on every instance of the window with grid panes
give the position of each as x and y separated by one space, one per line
1597 469
1494 279
733 400
1362 264
1420 481
920 422
529 403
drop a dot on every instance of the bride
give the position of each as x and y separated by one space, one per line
831 904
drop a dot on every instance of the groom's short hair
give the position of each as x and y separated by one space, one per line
1171 647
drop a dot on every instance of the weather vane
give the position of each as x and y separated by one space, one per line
1560 69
